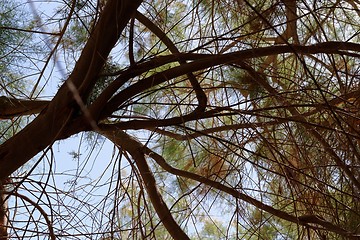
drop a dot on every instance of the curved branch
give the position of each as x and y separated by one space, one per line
302 220
302 120
124 75
207 131
147 124
134 148
203 61
42 211
200 94
48 125
11 107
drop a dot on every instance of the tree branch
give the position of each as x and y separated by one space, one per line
203 61
134 148
11 107
302 220
46 128
200 94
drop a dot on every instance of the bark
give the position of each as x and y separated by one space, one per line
63 109
137 150
11 107
311 221
60 112
134 148
3 212
200 94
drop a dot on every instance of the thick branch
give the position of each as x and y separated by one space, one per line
3 212
46 128
302 220
134 148
200 94
11 107
291 17
154 123
204 61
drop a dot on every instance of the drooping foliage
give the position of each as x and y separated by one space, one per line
195 119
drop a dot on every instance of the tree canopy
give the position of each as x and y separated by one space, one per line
227 119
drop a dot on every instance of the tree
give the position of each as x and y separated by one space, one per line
236 119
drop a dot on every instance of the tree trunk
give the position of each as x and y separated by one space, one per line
3 212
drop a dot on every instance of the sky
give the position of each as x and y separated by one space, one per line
76 173
77 167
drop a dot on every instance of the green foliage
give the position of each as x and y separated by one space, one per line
213 230
12 39
9 22
279 129
105 78
245 84
80 27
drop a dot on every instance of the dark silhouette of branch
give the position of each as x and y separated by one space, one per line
200 94
134 148
237 194
11 107
47 126
40 209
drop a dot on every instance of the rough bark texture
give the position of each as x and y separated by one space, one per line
60 112
3 215
134 148
11 107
